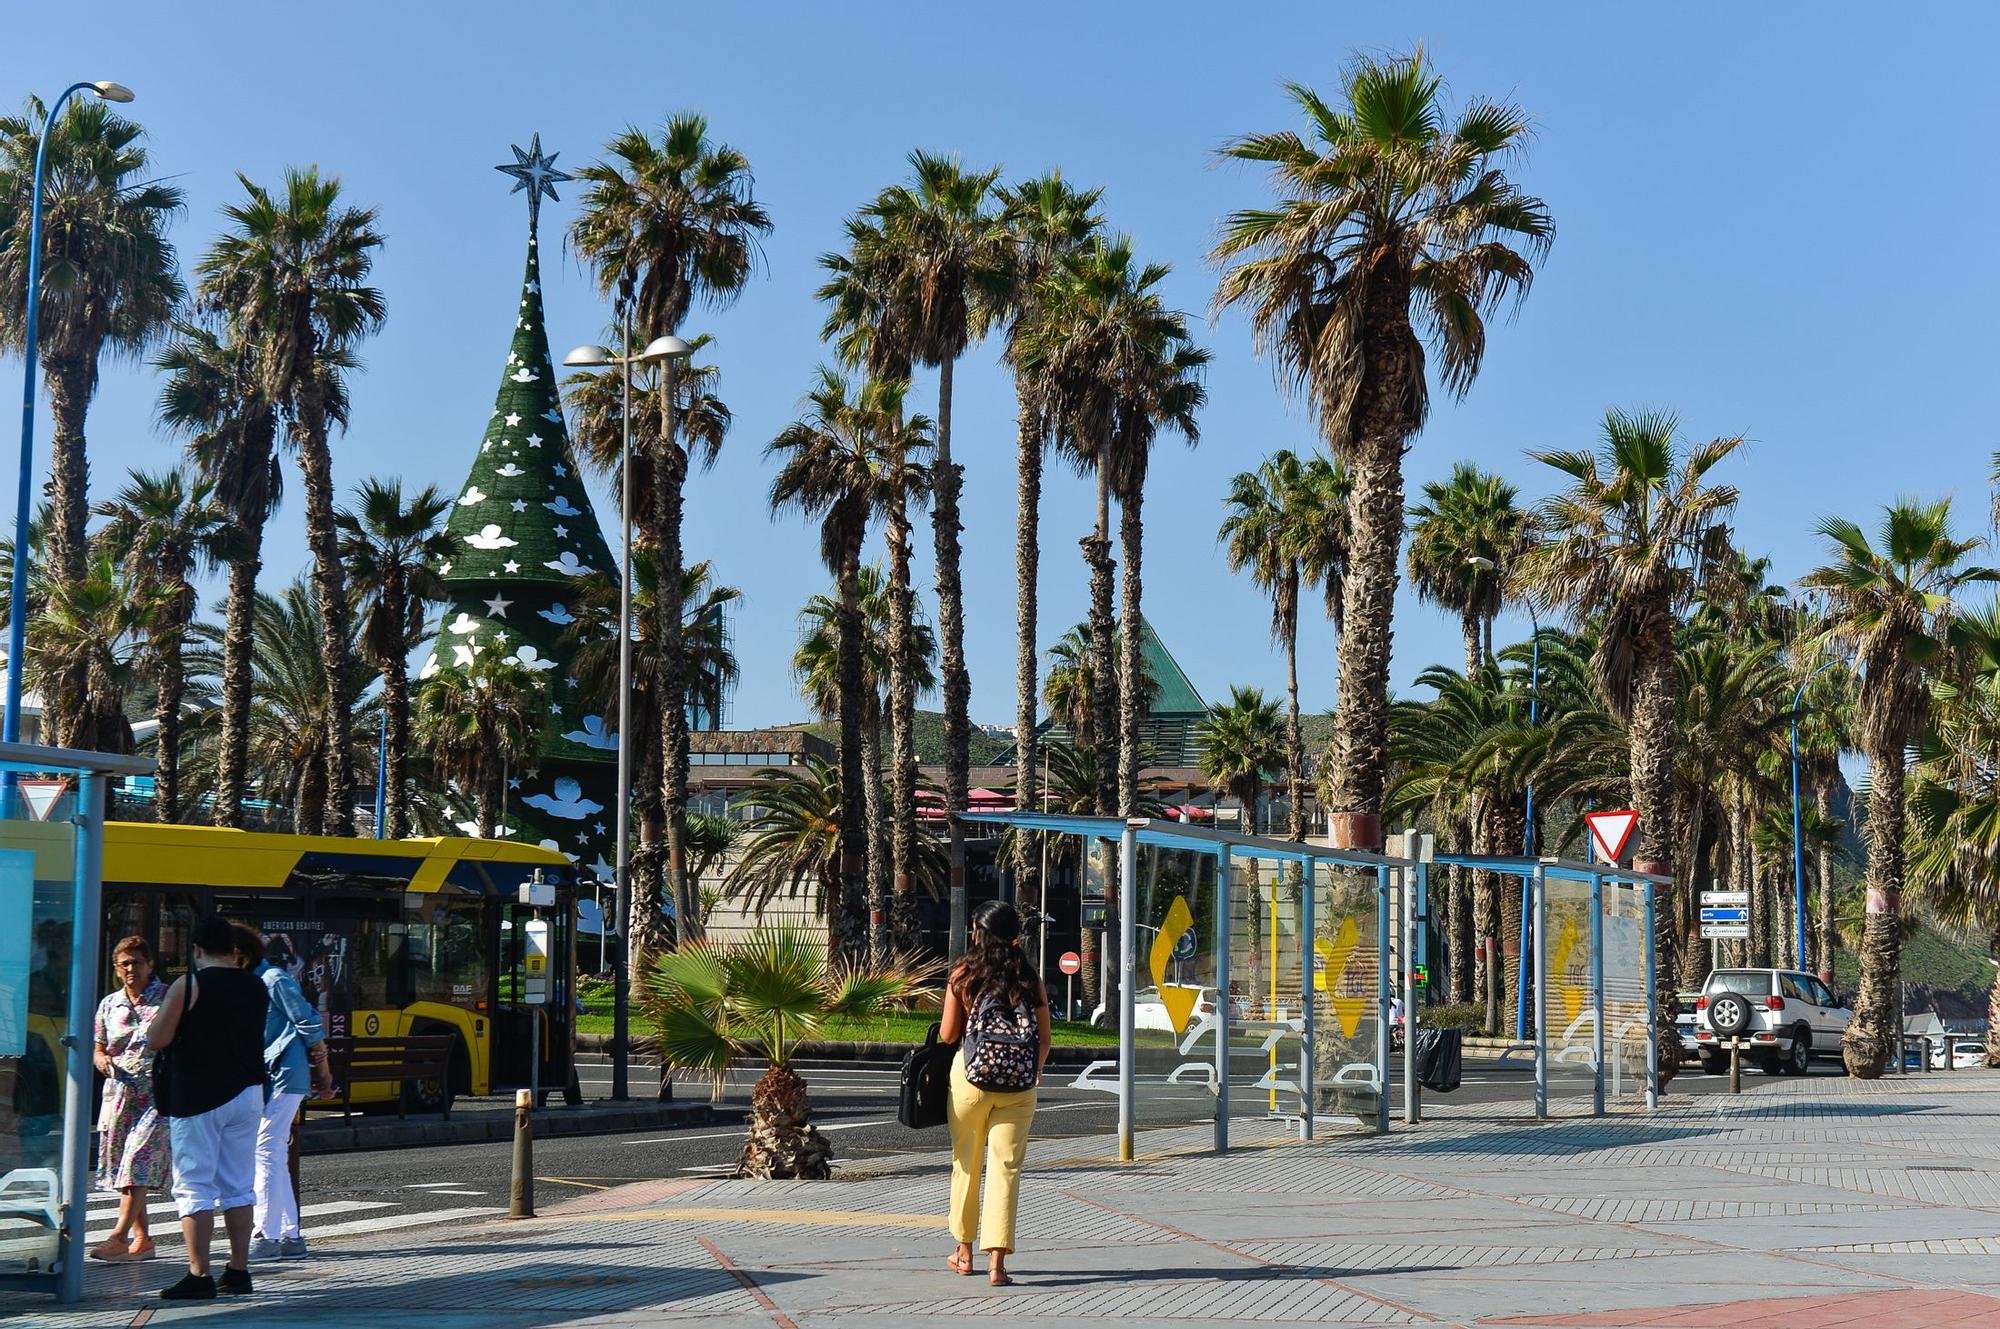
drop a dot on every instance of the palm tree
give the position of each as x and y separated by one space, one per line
109 278
86 649
1271 520
287 725
478 724
1623 543
816 663
393 547
292 271
164 528
852 450
1241 739
667 222
708 663
951 254
1465 540
214 398
1394 226
1891 605
763 997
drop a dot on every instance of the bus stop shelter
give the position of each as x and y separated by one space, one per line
52 805
1242 960
1590 973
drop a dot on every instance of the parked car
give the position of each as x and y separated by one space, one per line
1785 1018
1684 1004
1966 1054
1149 1012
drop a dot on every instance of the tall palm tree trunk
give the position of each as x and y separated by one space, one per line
1829 939
1361 730
70 383
1651 778
1993 1004
902 725
846 916
233 758
669 510
876 813
1103 669
946 475
647 881
396 696
1295 738
1465 920
1475 655
1517 965
1131 541
330 588
167 712
309 797
1873 1036
1027 572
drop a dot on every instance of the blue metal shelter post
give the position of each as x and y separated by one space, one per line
1223 1011
1309 997
1652 1016
1382 999
85 928
1597 989
1539 889
1128 991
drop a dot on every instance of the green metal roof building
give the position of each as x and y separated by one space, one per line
1171 726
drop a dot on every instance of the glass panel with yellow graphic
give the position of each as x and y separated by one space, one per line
1176 1008
1625 1002
1570 1007
1267 1034
1347 1007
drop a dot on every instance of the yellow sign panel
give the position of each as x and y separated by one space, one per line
1178 1000
1333 960
537 963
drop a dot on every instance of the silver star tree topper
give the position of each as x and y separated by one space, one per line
536 174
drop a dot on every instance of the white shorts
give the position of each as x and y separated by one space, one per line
215 1155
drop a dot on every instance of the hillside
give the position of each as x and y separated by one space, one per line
986 749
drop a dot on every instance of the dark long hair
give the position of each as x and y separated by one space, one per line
994 965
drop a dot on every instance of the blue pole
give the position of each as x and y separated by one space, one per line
1798 858
17 612
1528 832
382 774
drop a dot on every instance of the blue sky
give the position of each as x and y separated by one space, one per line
1772 220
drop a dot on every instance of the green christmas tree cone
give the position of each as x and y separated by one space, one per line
529 539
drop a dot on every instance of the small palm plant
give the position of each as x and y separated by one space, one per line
715 1003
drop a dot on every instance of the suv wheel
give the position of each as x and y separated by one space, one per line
1729 1014
1800 1060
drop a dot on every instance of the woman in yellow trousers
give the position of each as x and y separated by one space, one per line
997 1010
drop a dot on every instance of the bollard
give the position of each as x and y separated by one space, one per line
1736 1065
521 1197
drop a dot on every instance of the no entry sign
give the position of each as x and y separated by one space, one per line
1070 962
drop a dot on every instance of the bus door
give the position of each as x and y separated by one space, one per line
535 986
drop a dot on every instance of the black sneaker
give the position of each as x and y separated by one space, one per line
192 1287
234 1281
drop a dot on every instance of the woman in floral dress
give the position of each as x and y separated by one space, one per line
133 1156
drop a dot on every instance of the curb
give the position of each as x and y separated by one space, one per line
1078 1057
331 1137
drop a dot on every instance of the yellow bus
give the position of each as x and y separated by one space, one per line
387 937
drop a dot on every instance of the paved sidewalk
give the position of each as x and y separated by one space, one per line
1808 1204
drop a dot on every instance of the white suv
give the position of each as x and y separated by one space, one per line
1785 1018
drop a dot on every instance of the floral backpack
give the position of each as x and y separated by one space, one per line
1002 1047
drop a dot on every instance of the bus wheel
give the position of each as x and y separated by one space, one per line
433 1095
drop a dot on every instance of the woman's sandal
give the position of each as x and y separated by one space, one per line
999 1277
961 1267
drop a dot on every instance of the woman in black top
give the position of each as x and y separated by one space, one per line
211 1026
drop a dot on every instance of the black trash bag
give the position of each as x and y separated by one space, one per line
1440 1057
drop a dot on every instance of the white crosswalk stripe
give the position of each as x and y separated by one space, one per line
103 1214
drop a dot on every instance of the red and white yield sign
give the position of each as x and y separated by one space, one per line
1069 962
1609 832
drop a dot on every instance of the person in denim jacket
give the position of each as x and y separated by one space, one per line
295 1064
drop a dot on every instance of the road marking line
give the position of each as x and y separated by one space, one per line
428 1185
458 1192
390 1223
801 1217
565 1181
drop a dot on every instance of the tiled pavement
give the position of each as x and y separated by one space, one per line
1809 1204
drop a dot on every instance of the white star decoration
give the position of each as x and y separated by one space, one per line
534 440
512 419
519 505
511 566
498 606
561 469
562 532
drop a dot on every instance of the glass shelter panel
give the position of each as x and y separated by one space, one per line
1570 957
1347 1008
1625 997
38 862
1268 1020
1177 1007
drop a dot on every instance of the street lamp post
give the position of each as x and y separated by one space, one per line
597 357
1798 857
17 616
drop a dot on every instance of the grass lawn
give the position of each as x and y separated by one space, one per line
898 1027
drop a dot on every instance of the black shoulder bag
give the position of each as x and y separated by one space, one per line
926 1083
166 1084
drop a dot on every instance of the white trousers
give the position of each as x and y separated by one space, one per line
214 1155
277 1207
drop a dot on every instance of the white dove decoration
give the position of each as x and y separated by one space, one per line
464 624
592 734
558 614
510 470
523 375
567 565
567 801
561 507
489 537
430 666
472 496
552 415
531 660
